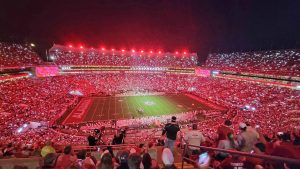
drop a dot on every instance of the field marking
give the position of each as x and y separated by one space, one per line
127 108
115 107
137 102
167 105
86 112
108 108
122 108
101 113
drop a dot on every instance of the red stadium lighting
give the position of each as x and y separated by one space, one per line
132 50
103 49
70 46
81 47
176 52
151 51
184 52
142 51
123 50
112 49
159 52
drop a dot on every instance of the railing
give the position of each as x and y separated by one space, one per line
265 157
95 148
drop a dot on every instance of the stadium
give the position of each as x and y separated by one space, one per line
78 106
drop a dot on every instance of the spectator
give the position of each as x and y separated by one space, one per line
134 161
119 137
66 159
246 139
123 160
168 159
194 137
47 149
50 161
83 159
224 130
251 162
228 144
171 130
148 162
106 162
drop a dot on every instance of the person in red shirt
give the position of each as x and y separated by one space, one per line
224 130
65 160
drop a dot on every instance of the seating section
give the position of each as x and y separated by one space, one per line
24 100
16 55
281 62
62 55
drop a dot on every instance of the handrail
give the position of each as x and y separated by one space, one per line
107 145
267 157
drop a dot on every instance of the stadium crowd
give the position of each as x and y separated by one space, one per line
12 55
263 119
274 106
63 56
281 62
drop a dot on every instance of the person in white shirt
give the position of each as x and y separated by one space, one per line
193 137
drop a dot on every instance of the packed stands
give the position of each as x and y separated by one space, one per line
16 55
270 113
280 62
63 55
270 102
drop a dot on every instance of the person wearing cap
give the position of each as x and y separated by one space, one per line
171 130
246 139
194 137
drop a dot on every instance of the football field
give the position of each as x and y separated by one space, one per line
124 107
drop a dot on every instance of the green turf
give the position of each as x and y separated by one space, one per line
105 108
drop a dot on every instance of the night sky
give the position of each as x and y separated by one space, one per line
169 25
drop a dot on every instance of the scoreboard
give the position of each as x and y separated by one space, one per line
44 71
